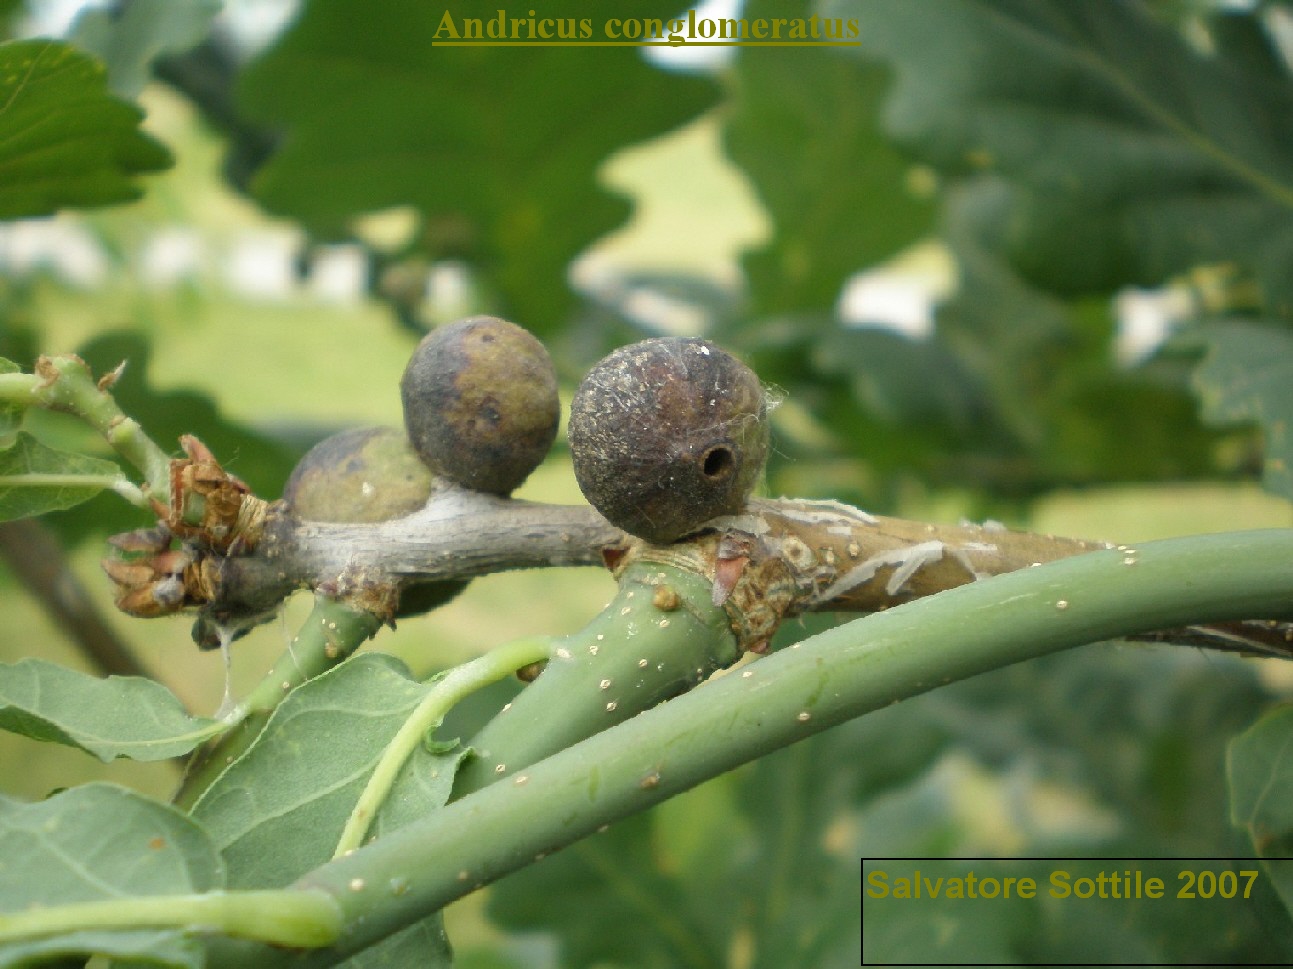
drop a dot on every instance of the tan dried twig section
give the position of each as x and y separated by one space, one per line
848 560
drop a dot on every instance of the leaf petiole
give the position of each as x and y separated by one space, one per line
51 480
448 689
64 383
120 484
281 917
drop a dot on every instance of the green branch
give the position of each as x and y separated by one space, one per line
331 632
65 383
660 636
282 918
451 687
119 483
826 680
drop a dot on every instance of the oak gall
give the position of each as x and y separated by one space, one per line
364 476
480 403
666 434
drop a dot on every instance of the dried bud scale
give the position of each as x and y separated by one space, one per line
666 434
480 403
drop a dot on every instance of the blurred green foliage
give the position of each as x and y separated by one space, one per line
1055 152
67 142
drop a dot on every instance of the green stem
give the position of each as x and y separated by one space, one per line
284 917
452 686
823 681
119 483
35 479
331 632
65 383
631 657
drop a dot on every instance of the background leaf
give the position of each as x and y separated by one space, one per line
95 842
496 148
8 8
1128 155
26 470
903 381
1062 414
611 879
969 932
64 141
1245 376
117 716
1261 793
846 208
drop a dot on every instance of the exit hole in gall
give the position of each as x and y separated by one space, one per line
718 462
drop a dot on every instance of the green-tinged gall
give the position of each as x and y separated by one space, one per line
480 403
666 434
364 476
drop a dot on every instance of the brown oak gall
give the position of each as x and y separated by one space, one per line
480 403
666 434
